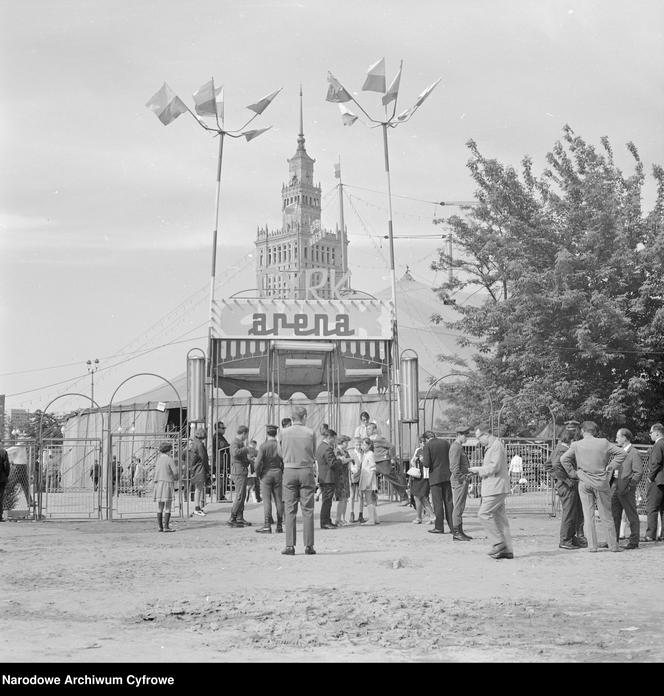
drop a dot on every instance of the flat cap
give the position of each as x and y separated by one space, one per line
463 429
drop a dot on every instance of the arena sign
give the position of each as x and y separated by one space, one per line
302 319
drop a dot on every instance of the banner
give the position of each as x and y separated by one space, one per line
302 319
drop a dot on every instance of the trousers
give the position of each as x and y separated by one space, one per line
327 494
625 500
240 483
459 495
299 487
271 483
441 497
599 494
654 509
493 516
571 522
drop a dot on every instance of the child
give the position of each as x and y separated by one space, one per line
355 470
343 479
368 481
165 475
253 484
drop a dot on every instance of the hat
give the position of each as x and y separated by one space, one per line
463 429
200 433
572 424
165 446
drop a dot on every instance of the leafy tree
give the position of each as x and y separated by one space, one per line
572 273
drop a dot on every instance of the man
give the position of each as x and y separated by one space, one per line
495 489
239 472
269 471
298 445
655 495
220 459
199 470
571 522
623 488
459 474
384 454
328 465
95 474
5 467
286 423
594 457
436 457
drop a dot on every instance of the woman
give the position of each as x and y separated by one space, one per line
342 491
368 481
361 430
165 475
419 487
355 469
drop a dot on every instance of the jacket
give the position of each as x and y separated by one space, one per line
494 470
165 469
199 463
239 457
436 457
630 471
383 449
268 457
458 463
5 466
656 463
592 455
368 481
328 464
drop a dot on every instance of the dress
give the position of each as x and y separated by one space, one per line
368 480
342 491
165 475
419 487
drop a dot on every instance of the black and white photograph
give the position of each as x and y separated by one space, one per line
331 332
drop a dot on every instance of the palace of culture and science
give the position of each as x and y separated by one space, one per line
301 256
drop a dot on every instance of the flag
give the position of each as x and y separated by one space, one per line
251 134
166 105
337 170
393 90
263 103
336 91
205 99
220 103
347 116
375 81
405 115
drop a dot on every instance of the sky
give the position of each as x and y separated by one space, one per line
106 215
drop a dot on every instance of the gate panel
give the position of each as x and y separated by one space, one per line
19 498
71 485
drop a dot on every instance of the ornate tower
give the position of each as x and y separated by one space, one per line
301 258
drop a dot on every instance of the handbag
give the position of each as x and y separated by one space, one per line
414 471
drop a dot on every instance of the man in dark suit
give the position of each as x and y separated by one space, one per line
655 496
328 465
623 488
436 457
4 476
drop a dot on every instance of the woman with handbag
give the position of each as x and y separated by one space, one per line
419 484
368 481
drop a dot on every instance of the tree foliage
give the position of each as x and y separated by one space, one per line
573 273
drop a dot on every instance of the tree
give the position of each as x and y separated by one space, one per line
571 270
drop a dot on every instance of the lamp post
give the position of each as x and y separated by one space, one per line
375 82
209 103
93 366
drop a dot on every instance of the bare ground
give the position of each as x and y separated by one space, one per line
121 592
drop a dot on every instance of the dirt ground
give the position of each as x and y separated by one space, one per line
83 592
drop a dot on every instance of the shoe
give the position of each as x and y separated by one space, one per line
352 517
592 549
264 530
569 546
630 545
466 537
200 513
168 529
581 542
309 551
502 554
244 523
435 531
235 523
279 529
416 521
618 549
289 551
328 526
647 539
360 518
496 549
603 545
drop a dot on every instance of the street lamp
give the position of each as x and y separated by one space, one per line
375 82
93 366
209 103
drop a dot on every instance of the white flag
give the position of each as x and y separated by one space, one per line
375 81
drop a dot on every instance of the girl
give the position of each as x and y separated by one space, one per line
343 479
368 482
355 469
165 475
419 487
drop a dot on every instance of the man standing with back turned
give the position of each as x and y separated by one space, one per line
459 477
436 457
298 447
595 457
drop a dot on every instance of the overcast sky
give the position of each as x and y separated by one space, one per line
106 215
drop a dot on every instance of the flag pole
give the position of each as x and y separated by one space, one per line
395 332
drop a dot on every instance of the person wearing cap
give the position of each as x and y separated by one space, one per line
165 475
495 489
269 467
436 457
239 472
199 470
594 458
571 518
459 474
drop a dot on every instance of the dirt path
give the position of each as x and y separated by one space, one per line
120 592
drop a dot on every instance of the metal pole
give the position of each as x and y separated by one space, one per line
395 331
344 260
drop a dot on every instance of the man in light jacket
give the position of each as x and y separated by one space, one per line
495 488
595 458
623 488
